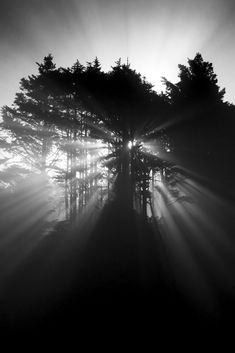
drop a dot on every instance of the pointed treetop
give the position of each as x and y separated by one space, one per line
77 67
93 66
47 64
198 82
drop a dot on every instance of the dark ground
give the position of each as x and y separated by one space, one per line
109 281
110 278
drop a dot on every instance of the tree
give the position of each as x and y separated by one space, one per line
66 107
131 107
201 123
198 85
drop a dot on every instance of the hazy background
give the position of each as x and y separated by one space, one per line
154 35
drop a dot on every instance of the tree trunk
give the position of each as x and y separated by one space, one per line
124 188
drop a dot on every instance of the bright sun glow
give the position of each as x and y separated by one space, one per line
131 144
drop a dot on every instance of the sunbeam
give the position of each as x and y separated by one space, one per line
196 239
116 201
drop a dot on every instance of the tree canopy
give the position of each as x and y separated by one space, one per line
60 112
198 85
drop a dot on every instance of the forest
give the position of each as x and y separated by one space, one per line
92 132
92 164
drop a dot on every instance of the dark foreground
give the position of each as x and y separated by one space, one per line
107 279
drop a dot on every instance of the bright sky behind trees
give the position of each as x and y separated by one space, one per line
155 36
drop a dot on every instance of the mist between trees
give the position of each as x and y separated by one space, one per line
77 137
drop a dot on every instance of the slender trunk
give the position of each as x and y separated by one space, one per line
86 184
124 183
67 188
44 153
144 204
108 174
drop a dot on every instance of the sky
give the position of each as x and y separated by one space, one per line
155 36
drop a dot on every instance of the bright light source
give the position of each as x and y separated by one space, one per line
131 144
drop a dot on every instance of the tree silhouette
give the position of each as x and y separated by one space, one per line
65 110
78 137
201 123
197 88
